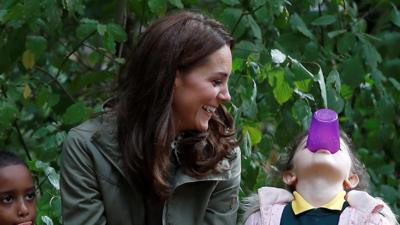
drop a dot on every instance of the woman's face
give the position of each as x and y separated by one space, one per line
198 92
17 196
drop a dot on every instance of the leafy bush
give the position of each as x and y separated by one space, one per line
58 60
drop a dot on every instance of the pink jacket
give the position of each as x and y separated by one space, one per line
363 208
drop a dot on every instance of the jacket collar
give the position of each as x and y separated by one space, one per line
300 205
106 140
226 168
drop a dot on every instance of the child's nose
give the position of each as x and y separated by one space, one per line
23 209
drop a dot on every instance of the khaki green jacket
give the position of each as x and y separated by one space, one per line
94 187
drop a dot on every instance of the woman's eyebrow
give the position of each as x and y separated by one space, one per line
221 73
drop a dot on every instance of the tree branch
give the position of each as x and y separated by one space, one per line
57 82
73 51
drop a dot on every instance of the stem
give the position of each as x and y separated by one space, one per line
21 139
244 14
321 28
237 22
99 51
73 51
57 82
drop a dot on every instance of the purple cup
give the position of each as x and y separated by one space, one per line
324 131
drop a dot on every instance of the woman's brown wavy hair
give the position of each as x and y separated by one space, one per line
179 41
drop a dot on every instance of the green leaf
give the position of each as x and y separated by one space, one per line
303 86
230 2
117 32
332 34
352 72
335 102
346 42
254 133
86 27
36 44
27 93
281 89
277 56
177 3
300 72
254 27
249 109
324 20
389 193
28 60
346 91
74 6
244 48
233 20
3 12
109 42
246 144
47 220
321 81
8 113
395 16
298 24
395 83
334 79
101 29
302 113
370 54
158 7
52 176
76 113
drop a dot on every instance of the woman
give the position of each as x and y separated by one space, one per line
164 151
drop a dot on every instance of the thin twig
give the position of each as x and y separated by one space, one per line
244 14
73 51
21 139
57 82
99 51
237 22
321 27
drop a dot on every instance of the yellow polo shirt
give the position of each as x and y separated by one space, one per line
299 204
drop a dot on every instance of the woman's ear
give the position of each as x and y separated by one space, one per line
289 178
351 182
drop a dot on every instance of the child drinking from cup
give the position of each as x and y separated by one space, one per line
326 183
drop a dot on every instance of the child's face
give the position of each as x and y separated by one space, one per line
17 196
335 166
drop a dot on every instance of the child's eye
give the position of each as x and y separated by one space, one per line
30 196
7 199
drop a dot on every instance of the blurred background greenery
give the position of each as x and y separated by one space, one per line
58 60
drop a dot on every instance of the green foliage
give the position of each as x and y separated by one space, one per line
58 60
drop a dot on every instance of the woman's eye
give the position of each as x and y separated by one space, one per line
7 199
30 196
217 82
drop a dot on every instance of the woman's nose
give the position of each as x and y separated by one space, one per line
224 95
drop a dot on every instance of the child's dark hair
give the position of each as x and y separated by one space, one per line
10 159
285 160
